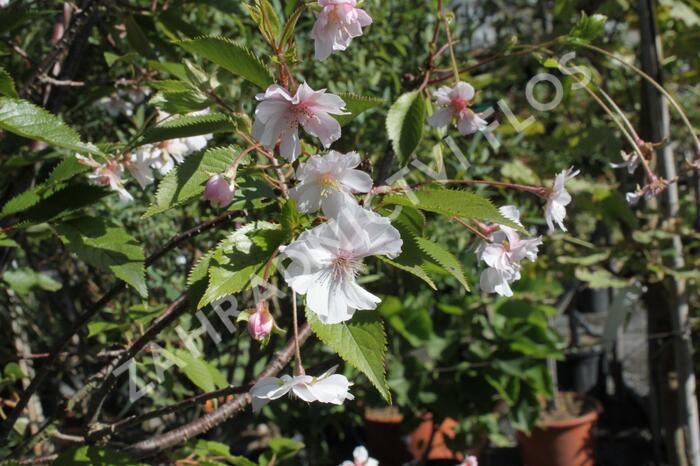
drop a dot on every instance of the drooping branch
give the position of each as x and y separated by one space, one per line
88 315
205 423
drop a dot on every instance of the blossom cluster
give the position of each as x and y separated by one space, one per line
142 162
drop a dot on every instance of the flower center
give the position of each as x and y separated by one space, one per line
301 112
333 16
327 181
459 104
506 245
345 264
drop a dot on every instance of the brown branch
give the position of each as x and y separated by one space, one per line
83 319
81 20
58 82
175 310
186 403
205 423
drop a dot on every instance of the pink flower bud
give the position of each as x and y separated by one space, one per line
260 323
219 191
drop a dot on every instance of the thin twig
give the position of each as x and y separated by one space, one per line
298 368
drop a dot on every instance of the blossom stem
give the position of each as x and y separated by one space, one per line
298 368
429 65
471 228
233 168
658 87
631 137
537 190
453 58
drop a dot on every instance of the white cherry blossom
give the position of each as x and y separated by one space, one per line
279 114
327 388
337 25
361 457
166 154
630 161
115 105
107 174
140 166
322 176
558 198
503 253
327 259
454 102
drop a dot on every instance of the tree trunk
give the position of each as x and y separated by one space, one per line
655 128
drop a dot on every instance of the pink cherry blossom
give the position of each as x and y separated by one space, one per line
279 115
219 191
337 25
323 176
260 323
454 102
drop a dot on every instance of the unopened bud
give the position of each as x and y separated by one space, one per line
219 191
260 323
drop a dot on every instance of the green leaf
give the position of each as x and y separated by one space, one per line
64 171
188 126
285 448
444 259
404 123
7 85
410 224
588 28
23 280
200 372
136 37
290 24
360 341
93 456
187 181
180 102
266 19
16 16
601 278
106 246
61 203
231 56
453 203
27 120
238 260
356 105
6 242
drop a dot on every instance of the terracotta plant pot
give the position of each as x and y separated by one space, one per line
421 439
565 442
384 437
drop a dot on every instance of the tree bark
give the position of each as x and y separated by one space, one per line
655 128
